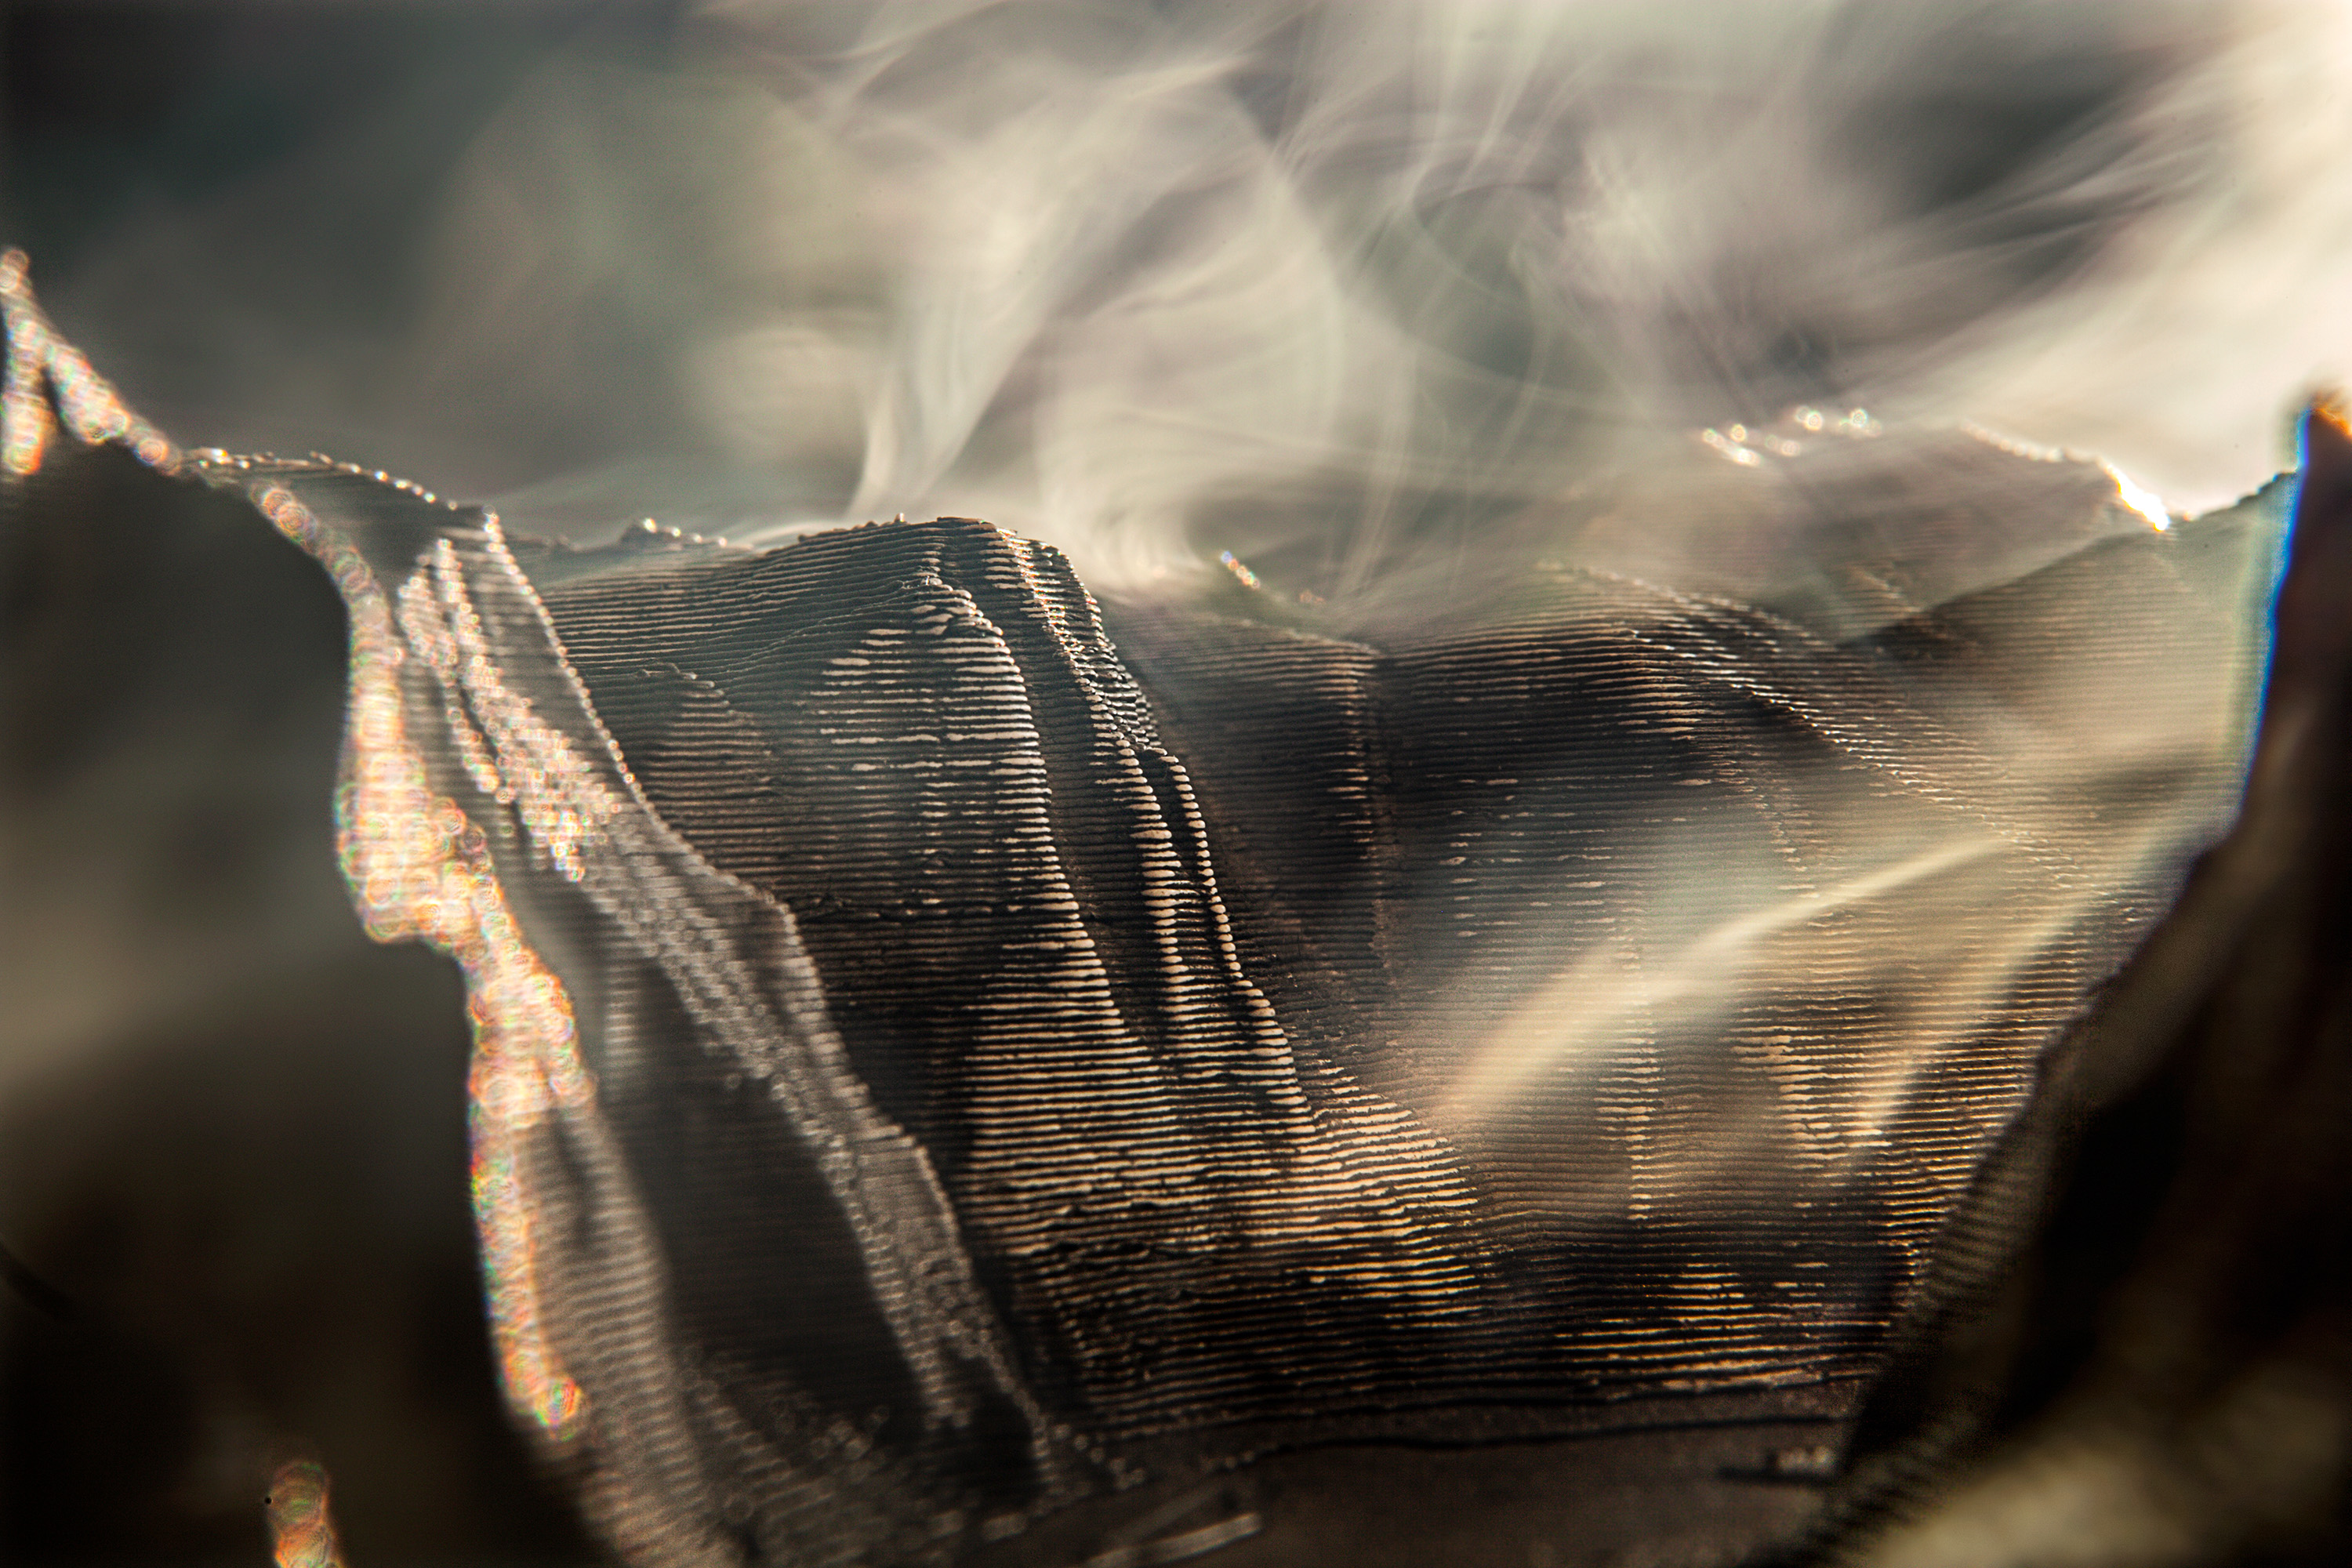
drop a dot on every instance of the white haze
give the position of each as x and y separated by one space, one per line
1348 283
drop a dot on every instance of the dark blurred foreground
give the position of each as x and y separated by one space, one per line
244 1223
2135 1345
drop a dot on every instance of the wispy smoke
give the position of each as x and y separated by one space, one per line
1341 284
1380 301
1344 289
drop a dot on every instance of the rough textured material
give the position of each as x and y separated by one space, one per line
2134 1346
1184 957
952 1058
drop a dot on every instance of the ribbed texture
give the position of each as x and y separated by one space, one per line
938 1058
1306 1027
1030 1054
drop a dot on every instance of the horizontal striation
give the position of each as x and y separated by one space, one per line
1006 883
1609 994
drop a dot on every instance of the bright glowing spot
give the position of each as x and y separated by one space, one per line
1730 448
301 1527
2139 498
1233 565
40 363
2014 446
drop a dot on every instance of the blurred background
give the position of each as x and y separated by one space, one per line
1382 299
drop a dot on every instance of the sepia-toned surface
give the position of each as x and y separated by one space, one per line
946 1050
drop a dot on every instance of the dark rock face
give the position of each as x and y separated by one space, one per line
2133 1345
1379 861
1005 882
